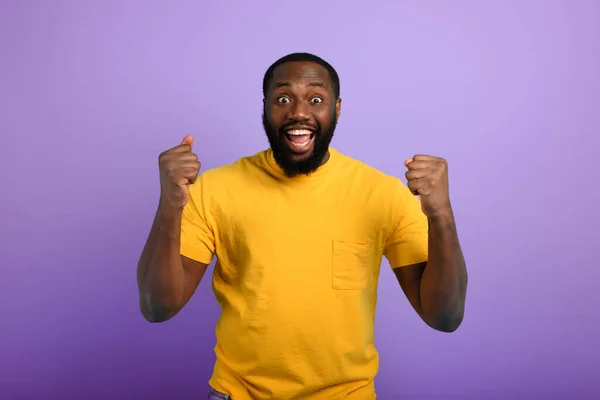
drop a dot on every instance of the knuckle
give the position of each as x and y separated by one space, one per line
165 157
173 173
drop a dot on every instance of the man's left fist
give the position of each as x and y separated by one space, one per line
427 176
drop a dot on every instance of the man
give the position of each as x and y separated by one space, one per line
299 232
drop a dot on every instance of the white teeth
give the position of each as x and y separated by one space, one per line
304 133
304 144
299 132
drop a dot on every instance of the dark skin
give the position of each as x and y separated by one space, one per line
166 279
436 289
301 94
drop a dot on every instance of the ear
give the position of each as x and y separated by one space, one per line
338 108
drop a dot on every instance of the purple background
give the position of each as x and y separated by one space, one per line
92 91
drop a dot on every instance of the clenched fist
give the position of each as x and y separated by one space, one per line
179 168
427 176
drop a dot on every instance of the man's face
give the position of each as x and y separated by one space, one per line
300 115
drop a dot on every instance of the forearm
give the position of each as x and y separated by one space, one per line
161 276
444 281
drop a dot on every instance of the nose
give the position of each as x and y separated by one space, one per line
299 112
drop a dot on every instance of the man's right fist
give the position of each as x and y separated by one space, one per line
179 168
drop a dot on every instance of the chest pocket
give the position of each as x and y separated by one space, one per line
350 265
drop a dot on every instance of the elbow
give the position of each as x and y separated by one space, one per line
155 316
446 322
156 312
449 326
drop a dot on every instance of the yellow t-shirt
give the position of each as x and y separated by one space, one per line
297 269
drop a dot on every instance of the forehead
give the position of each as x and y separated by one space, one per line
300 74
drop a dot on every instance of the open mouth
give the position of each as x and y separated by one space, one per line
299 138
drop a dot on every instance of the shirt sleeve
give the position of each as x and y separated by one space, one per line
197 237
408 240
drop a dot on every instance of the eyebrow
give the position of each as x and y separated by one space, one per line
286 84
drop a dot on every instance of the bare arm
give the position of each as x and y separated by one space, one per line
437 289
166 280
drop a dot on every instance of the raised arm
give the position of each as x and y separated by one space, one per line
436 287
167 280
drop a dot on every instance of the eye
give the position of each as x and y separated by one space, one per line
316 100
283 99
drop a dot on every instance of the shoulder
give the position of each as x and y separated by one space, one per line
231 173
243 166
386 191
361 172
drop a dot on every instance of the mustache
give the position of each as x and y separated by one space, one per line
300 125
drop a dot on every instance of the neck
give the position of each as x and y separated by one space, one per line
325 159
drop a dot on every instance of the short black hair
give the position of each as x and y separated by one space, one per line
302 57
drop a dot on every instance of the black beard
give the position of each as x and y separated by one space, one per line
292 168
